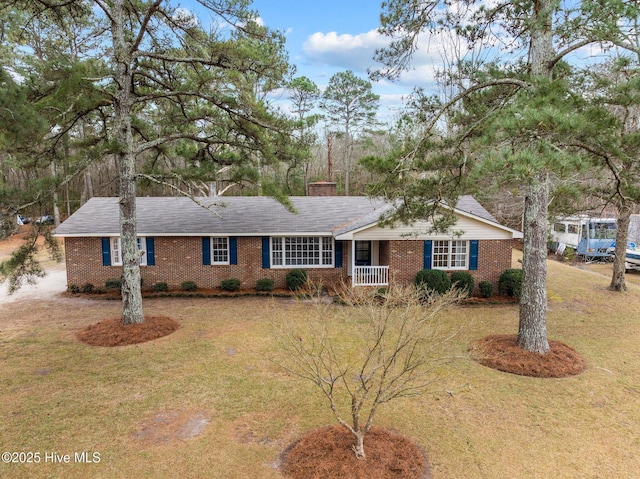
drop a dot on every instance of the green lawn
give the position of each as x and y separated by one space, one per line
207 401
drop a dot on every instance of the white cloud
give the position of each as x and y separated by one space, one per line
356 52
435 52
590 53
185 18
352 52
391 104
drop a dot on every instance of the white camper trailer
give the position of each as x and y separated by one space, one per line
592 238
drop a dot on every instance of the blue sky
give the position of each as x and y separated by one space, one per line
324 37
328 36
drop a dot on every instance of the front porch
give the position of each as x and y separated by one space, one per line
370 276
369 266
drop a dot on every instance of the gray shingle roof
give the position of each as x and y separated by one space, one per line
468 204
238 216
229 215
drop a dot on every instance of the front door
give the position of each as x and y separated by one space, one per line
363 253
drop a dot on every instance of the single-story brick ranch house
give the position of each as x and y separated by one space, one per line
334 238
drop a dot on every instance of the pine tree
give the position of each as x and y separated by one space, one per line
533 110
179 100
351 105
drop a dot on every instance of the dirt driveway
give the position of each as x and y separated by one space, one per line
53 283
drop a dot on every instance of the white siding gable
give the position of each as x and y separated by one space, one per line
469 227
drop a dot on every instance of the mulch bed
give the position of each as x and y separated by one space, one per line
112 332
326 453
502 353
115 294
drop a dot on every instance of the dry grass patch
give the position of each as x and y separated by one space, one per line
168 426
57 394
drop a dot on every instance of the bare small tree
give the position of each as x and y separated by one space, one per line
373 349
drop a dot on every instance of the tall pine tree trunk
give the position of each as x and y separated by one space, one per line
131 291
532 331
624 217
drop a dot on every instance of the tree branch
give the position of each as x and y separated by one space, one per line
608 160
224 107
218 62
183 193
143 26
105 9
569 49
443 109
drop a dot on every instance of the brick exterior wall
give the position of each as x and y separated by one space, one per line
407 258
179 259
494 256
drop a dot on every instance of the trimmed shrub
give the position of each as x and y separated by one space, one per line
160 286
264 284
74 288
113 283
486 289
87 288
462 281
188 286
434 280
232 284
296 279
510 283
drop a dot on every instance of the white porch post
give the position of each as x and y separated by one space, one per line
353 262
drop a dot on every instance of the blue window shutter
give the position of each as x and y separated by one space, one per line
428 248
473 255
233 250
151 252
206 250
266 262
106 252
338 254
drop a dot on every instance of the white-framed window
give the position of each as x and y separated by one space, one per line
559 227
450 254
219 250
299 251
116 251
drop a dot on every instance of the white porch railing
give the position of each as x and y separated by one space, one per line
370 276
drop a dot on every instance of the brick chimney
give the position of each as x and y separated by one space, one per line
322 188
